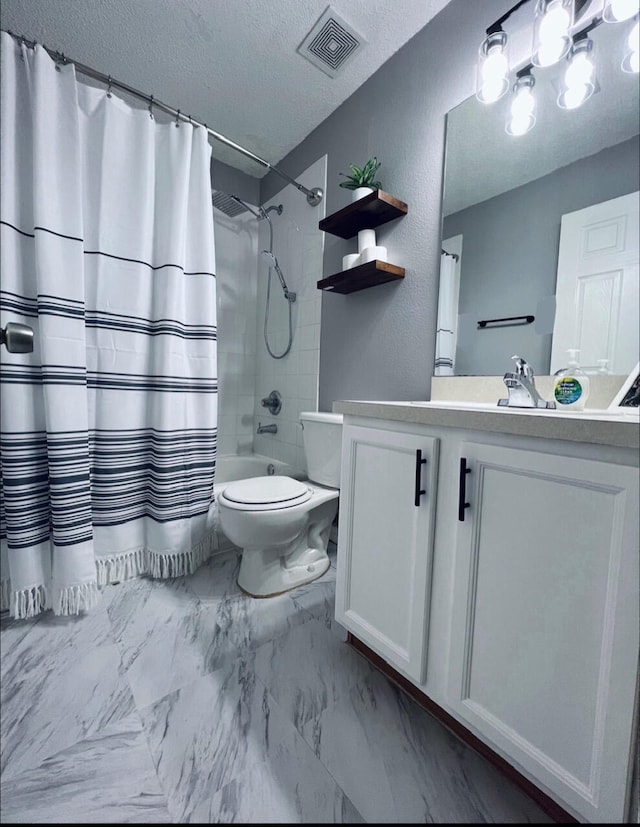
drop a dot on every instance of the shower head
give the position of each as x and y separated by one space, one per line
232 206
258 215
271 260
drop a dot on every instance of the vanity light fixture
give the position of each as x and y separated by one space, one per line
578 83
552 41
551 31
615 11
631 61
492 80
492 69
521 116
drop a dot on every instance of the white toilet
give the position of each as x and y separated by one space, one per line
281 524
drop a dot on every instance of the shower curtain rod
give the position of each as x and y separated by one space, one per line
314 196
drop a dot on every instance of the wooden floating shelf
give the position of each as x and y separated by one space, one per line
364 275
365 214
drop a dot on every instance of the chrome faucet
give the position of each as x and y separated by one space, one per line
267 429
522 389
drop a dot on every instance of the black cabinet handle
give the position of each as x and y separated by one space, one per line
462 493
418 492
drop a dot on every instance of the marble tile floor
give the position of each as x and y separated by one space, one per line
187 701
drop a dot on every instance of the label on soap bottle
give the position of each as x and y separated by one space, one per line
568 390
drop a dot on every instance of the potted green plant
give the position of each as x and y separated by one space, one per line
362 180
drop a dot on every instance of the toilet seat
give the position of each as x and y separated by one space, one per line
265 493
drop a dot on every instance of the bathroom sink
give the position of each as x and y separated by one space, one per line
468 406
443 403
493 406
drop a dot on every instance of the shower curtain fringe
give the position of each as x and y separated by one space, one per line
70 600
27 602
162 565
122 567
75 599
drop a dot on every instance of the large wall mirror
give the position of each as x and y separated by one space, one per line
540 232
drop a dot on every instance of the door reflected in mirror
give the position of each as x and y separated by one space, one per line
523 234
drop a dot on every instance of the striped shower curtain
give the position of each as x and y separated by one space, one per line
108 429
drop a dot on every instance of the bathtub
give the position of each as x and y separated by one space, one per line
232 467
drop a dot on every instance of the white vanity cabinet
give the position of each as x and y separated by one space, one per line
387 510
532 613
544 634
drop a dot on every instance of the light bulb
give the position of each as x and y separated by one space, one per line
555 22
578 82
615 11
493 68
493 77
551 38
579 71
521 117
631 62
551 51
575 96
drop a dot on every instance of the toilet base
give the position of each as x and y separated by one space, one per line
266 572
300 577
269 571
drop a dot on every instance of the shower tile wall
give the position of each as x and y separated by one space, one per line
236 242
298 245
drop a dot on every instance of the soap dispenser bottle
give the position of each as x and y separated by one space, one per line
571 388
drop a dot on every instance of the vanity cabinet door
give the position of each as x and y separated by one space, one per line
545 618
385 542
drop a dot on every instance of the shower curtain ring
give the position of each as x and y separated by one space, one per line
109 86
178 119
151 107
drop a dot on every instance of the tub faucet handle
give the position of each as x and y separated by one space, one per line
273 402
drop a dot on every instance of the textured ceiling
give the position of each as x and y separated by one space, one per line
231 64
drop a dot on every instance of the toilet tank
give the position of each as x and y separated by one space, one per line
322 438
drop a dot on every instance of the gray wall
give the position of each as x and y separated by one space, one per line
510 252
234 182
379 343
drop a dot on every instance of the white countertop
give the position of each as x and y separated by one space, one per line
600 427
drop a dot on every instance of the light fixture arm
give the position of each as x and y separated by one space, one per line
584 32
526 70
497 25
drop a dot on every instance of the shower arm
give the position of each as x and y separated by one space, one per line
314 196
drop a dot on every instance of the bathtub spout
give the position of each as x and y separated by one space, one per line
267 429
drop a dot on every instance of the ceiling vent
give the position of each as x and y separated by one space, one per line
331 43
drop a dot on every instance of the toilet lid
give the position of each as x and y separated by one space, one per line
273 492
